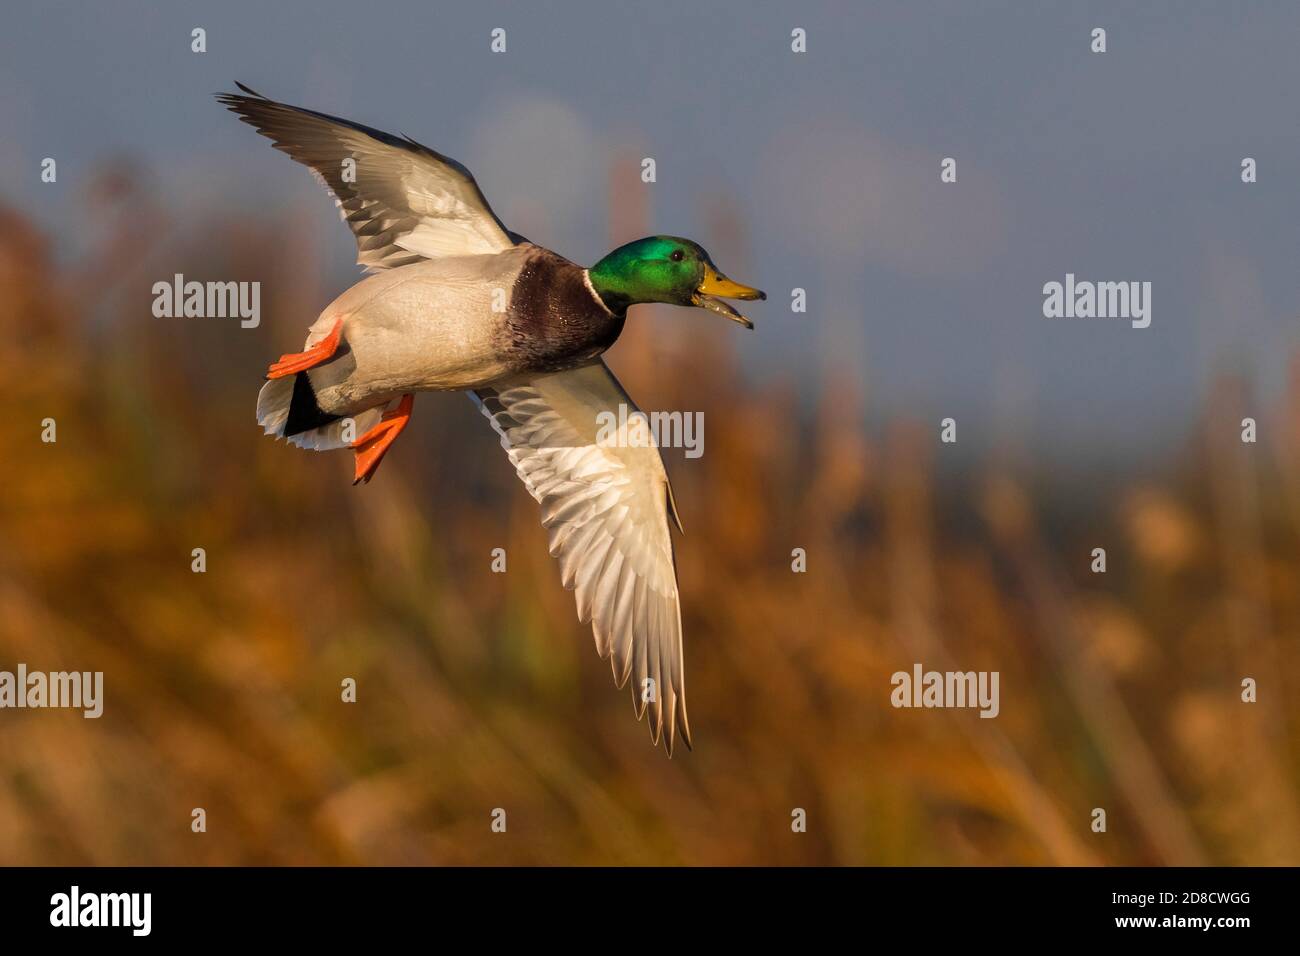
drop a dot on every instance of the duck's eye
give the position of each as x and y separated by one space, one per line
677 255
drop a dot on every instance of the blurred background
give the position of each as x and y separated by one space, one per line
818 170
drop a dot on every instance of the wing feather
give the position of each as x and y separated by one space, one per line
606 506
404 202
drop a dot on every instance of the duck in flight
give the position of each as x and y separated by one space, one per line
457 302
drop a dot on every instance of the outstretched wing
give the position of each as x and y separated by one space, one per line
606 503
403 201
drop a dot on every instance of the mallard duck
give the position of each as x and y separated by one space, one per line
457 302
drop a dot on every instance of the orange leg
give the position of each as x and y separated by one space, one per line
296 362
371 447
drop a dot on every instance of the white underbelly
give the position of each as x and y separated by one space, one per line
415 336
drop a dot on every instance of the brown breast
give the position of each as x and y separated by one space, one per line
555 322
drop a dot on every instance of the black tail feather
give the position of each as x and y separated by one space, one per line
304 412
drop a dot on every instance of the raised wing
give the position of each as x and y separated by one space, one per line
403 201
606 503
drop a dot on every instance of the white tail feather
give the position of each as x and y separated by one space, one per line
273 411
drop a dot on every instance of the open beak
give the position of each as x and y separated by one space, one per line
714 287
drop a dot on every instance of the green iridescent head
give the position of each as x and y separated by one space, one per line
670 270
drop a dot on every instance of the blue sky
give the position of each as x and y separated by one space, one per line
1118 166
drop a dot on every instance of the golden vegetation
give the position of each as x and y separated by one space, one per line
481 690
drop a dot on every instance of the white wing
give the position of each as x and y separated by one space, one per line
403 201
606 503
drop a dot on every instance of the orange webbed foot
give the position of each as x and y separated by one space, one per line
371 447
321 352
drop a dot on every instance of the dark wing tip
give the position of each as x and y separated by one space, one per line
242 103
